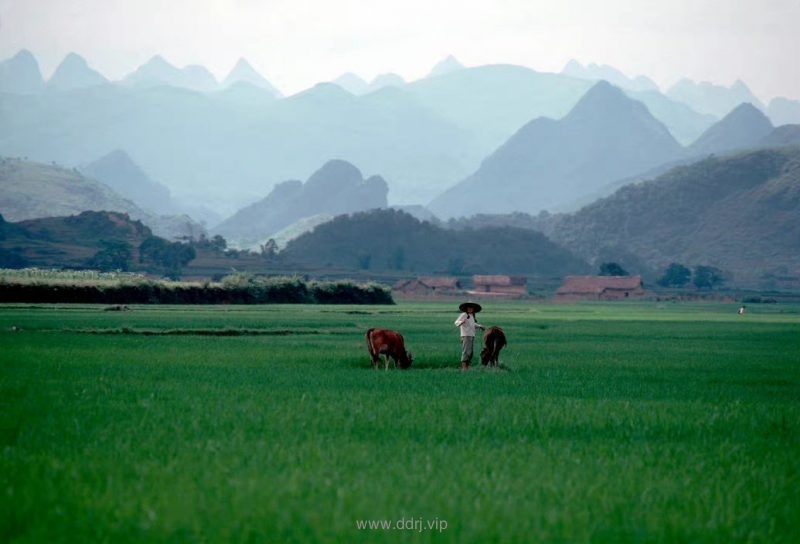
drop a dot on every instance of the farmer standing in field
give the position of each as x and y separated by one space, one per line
467 324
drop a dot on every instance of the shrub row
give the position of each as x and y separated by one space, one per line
232 290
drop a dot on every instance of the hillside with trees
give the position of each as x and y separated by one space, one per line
392 240
740 214
105 241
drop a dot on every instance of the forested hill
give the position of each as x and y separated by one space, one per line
105 241
392 240
740 213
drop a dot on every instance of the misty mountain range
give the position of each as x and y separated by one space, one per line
196 136
740 213
548 163
488 139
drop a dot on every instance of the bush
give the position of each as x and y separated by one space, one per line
233 289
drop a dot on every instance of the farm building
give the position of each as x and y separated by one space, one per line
501 285
600 288
428 286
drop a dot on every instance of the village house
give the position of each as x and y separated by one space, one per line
426 286
501 285
600 288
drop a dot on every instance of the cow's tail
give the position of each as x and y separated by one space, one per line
369 342
498 344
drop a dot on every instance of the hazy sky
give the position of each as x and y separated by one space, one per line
296 43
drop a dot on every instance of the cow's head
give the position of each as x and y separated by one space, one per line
406 360
485 356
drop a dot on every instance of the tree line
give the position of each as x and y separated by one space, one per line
233 289
676 275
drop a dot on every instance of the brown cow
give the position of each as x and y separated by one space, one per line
389 343
493 341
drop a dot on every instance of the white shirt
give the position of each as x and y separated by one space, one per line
467 324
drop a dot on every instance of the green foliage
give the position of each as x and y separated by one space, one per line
345 292
217 243
12 258
115 255
112 237
676 275
166 257
364 261
612 269
738 212
269 249
398 258
605 423
256 289
233 289
391 240
707 277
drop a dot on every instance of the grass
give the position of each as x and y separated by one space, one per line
606 423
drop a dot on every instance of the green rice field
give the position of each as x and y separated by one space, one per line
627 422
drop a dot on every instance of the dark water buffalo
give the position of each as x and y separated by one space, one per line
390 344
493 341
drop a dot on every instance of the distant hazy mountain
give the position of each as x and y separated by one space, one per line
685 124
387 131
783 111
783 135
30 190
549 164
742 128
154 72
225 148
244 72
446 66
420 212
197 78
231 146
298 228
157 72
338 187
740 213
712 99
492 102
726 138
74 73
245 97
119 172
386 80
608 73
20 74
352 83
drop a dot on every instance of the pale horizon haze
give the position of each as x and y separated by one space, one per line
295 44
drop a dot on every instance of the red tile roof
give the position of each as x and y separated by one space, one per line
594 285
